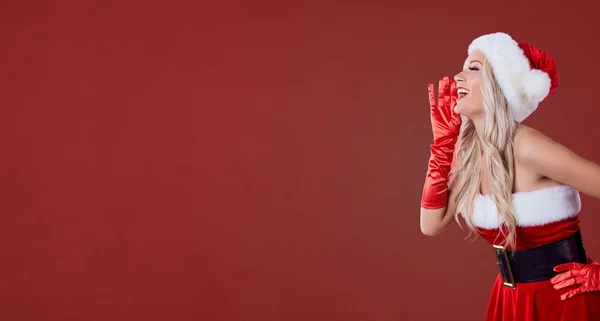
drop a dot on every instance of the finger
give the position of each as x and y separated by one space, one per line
569 282
430 89
453 94
566 275
456 119
572 293
444 99
568 266
561 277
441 92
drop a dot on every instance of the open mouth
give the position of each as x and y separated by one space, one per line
462 93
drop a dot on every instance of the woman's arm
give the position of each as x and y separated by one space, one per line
548 158
437 206
435 221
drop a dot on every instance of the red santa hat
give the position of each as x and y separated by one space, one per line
525 74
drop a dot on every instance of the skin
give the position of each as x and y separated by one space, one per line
540 162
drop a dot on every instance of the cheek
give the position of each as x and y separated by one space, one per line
475 84
471 104
475 102
476 96
475 91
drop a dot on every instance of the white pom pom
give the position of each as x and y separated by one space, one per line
536 85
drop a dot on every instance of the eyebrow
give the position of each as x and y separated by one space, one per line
472 61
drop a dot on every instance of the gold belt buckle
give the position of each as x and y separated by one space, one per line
501 251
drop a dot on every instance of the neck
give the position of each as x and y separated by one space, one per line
479 123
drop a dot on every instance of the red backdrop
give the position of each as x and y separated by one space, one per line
250 160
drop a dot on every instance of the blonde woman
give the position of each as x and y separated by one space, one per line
511 184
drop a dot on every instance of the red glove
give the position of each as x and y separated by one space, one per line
585 276
446 128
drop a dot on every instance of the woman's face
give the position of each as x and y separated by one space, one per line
468 83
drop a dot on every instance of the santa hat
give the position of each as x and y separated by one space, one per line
525 74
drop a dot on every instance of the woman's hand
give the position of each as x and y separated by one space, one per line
585 276
444 121
446 128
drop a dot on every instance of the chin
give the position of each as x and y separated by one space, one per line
458 109
463 109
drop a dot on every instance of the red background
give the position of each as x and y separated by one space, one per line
250 160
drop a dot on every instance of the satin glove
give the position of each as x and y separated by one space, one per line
586 278
446 128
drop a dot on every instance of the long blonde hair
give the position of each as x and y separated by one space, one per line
497 145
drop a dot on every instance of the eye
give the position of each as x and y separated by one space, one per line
473 68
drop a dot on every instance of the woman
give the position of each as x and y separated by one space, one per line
511 184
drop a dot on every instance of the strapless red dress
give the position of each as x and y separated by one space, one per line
543 216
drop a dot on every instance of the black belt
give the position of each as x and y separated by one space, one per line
537 264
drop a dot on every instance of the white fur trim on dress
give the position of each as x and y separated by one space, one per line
522 86
534 208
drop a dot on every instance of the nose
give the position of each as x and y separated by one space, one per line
459 77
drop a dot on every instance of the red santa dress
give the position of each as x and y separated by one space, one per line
543 216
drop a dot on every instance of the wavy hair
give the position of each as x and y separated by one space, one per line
496 145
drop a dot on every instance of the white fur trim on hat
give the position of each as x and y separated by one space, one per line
522 86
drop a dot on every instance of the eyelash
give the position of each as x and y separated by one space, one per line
473 68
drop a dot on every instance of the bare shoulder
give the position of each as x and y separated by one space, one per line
530 144
544 157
